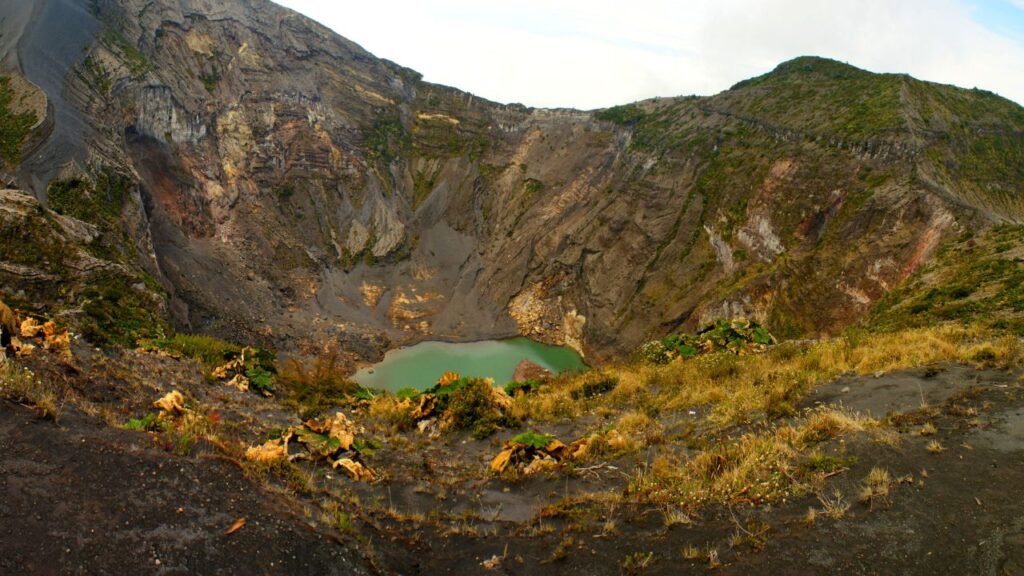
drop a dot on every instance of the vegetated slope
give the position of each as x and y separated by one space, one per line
297 188
976 279
82 274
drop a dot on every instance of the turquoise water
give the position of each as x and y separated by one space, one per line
421 365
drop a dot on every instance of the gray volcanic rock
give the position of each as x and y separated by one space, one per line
51 45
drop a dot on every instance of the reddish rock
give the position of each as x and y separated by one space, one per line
527 370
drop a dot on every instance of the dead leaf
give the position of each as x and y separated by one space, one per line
58 342
236 526
503 459
578 449
269 451
556 448
540 463
172 402
498 395
22 349
428 426
447 378
427 403
356 470
492 563
339 427
30 328
239 382
225 371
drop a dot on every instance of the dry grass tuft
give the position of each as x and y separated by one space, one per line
810 517
395 414
691 552
834 505
20 385
673 516
636 424
825 424
876 488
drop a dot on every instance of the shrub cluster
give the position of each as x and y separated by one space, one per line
740 336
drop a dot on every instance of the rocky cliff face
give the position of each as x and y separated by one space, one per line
293 188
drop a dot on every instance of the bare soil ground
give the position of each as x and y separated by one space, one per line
81 496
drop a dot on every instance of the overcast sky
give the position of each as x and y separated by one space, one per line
595 53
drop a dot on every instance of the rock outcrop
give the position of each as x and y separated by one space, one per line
527 370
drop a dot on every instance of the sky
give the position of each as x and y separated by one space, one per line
596 53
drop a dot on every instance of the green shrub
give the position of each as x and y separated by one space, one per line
681 345
98 201
624 115
654 352
531 186
411 393
468 404
524 387
260 379
533 440
443 392
146 423
736 336
118 314
386 139
366 446
209 351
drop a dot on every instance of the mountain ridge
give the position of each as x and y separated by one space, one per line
294 189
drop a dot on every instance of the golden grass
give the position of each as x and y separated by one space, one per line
824 424
395 414
737 388
756 467
636 424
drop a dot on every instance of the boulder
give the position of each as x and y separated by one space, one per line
527 370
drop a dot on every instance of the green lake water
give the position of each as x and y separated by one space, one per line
421 365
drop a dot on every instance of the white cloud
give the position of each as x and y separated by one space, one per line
596 53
